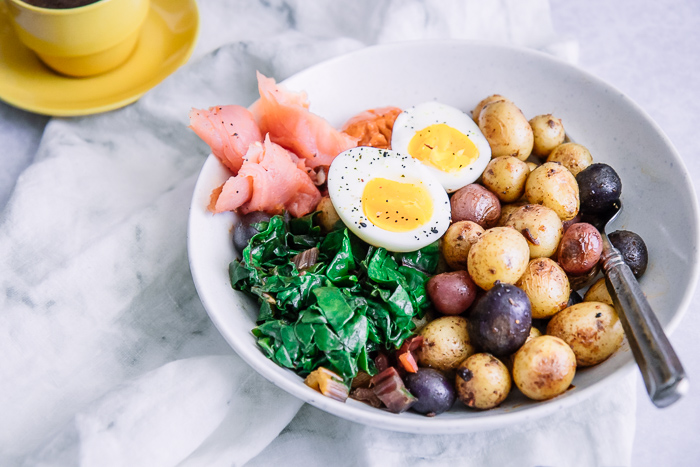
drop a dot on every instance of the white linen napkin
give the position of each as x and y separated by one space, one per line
108 357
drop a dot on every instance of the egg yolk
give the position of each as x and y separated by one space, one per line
443 147
396 206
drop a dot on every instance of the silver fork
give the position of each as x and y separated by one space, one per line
663 374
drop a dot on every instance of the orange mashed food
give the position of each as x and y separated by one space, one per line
373 127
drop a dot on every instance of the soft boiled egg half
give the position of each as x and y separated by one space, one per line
445 140
388 199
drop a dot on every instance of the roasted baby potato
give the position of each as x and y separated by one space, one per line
500 320
598 292
592 330
580 248
457 241
507 210
482 381
508 361
552 185
501 254
445 343
633 250
547 287
541 227
506 129
477 204
574 157
328 216
505 177
548 133
599 188
544 367
483 102
451 292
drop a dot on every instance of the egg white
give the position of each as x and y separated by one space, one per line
421 116
350 172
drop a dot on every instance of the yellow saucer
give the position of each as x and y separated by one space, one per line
167 40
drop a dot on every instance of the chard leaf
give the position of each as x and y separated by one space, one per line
354 334
237 272
356 299
282 357
333 306
312 316
426 259
343 363
305 334
342 263
325 339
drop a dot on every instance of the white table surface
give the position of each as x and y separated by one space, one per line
651 52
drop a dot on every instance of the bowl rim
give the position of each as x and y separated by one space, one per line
436 425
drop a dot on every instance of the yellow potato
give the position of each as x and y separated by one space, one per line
507 210
534 332
506 129
572 156
482 381
457 242
541 227
592 330
547 287
505 177
508 361
483 102
548 133
501 254
598 293
544 367
552 185
445 343
328 216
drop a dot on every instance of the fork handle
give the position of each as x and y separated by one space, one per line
661 369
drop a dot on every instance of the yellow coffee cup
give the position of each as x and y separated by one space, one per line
80 41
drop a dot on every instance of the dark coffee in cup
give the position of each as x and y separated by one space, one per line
60 4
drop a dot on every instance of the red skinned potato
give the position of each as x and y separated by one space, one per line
569 223
451 292
580 248
477 204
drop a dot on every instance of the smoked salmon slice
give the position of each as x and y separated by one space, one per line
228 130
271 179
285 116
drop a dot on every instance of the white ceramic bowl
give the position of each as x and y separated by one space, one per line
659 199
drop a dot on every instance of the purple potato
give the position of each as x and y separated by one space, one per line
599 187
434 392
633 249
500 320
245 229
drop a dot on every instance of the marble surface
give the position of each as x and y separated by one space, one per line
649 50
